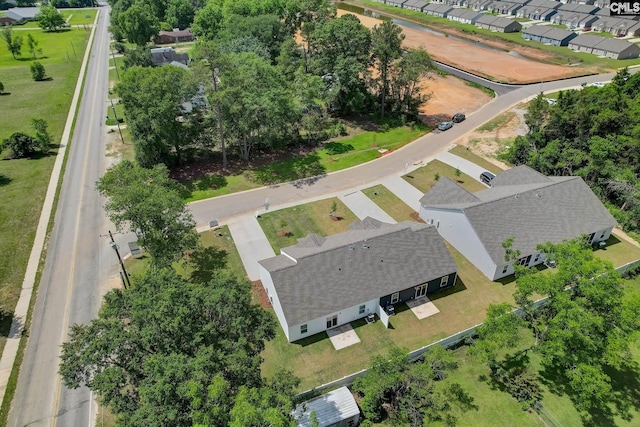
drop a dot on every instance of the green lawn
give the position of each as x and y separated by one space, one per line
111 116
425 177
469 155
333 156
618 251
497 122
23 182
390 203
80 16
285 226
315 360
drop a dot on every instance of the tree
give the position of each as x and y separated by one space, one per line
138 23
49 18
208 21
38 73
137 57
149 203
14 43
42 138
33 46
179 14
169 352
386 46
1 88
20 145
152 99
405 76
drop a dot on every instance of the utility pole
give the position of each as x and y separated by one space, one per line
117 121
123 274
116 64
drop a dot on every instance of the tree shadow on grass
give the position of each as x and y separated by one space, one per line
5 93
305 170
205 263
4 180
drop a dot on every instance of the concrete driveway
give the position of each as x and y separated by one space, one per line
363 207
251 242
465 166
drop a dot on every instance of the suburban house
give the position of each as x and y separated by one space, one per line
604 46
395 3
19 15
479 4
536 13
166 55
504 7
337 408
522 204
574 20
323 282
465 16
498 24
548 35
619 27
174 36
416 5
434 9
580 8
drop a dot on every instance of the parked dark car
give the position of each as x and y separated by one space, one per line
487 177
445 125
458 117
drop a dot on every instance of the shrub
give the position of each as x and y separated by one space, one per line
21 145
38 73
119 47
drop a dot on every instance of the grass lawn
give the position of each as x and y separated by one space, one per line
425 177
285 226
618 251
469 155
333 156
80 16
111 116
316 362
23 182
497 122
390 203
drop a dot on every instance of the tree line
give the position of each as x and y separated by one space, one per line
593 133
274 74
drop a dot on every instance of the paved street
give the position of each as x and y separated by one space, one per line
78 261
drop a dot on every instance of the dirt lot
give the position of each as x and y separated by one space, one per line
500 66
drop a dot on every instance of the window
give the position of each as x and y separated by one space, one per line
537 258
603 234
444 281
438 224
303 329
332 321
361 309
505 268
395 297
271 299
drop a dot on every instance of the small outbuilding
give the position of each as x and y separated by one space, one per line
337 408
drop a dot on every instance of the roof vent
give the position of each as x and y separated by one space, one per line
351 248
365 247
538 195
517 196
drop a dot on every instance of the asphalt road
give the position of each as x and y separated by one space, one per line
228 206
77 262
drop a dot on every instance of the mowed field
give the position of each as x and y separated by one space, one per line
23 182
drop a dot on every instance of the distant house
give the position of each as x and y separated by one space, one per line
19 15
548 35
604 46
619 27
498 24
416 5
165 56
174 36
464 16
504 7
435 9
536 13
579 8
323 282
10 19
523 204
574 19
337 408
479 4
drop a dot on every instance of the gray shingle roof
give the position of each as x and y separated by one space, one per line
371 260
534 210
537 30
614 45
586 40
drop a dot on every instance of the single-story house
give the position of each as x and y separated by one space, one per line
605 46
504 7
165 56
19 15
535 32
579 8
574 19
416 5
395 3
617 26
465 16
441 10
522 204
174 36
548 35
498 24
337 408
324 282
536 13
544 4
10 19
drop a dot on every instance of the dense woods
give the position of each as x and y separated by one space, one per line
593 133
275 74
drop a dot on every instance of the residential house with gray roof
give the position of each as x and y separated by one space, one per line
522 204
618 26
536 13
465 16
498 24
548 35
324 282
504 7
435 9
416 5
579 8
574 20
605 46
395 3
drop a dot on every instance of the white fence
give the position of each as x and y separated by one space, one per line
445 342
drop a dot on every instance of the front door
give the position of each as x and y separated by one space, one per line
332 321
421 291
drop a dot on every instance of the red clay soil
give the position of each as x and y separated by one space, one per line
258 289
499 66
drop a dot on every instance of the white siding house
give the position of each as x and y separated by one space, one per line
324 282
522 204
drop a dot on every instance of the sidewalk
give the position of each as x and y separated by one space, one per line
251 242
405 191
